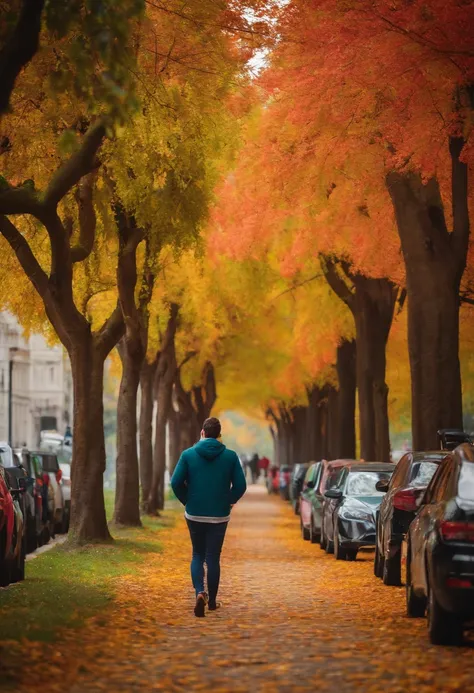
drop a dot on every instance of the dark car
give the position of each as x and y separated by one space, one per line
296 485
285 481
350 507
450 438
324 475
398 508
440 550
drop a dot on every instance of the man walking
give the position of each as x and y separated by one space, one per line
208 480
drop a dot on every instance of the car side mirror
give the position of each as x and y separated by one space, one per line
382 485
310 484
334 493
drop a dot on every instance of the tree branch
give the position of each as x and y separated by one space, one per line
111 331
335 281
25 256
20 49
21 200
190 355
80 164
87 219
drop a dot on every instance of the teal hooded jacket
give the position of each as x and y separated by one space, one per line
208 479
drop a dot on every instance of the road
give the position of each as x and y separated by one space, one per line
293 619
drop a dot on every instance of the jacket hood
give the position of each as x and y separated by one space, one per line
209 448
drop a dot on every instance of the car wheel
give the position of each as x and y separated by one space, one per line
392 569
351 554
304 531
416 606
378 561
17 570
322 539
313 537
339 552
443 628
329 546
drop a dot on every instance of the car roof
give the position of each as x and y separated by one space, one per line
373 467
428 455
340 463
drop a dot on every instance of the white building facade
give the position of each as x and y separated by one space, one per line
41 385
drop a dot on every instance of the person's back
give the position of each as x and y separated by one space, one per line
208 480
212 480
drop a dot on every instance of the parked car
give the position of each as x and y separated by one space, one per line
450 438
350 508
273 480
323 476
66 487
18 477
307 498
48 466
284 479
440 550
398 508
296 485
12 532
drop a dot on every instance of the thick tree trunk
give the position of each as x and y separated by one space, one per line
372 303
88 520
299 435
346 373
373 314
435 261
127 489
317 423
147 378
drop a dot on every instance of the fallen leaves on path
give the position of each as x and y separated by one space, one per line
293 619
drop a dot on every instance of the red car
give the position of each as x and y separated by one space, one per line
12 544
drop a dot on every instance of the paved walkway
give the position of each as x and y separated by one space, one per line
293 620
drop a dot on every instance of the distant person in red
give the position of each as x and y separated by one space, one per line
264 464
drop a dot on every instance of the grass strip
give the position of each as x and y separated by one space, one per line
67 585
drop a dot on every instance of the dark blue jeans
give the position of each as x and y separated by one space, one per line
207 540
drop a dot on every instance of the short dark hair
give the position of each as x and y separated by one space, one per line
212 427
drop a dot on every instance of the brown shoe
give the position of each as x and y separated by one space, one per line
200 606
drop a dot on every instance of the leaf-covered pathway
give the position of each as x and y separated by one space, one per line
294 620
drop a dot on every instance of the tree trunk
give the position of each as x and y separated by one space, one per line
166 371
333 433
372 302
373 313
317 423
147 377
346 373
434 261
205 394
127 489
88 519
174 439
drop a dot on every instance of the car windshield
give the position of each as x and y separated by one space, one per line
466 485
363 483
6 456
423 473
